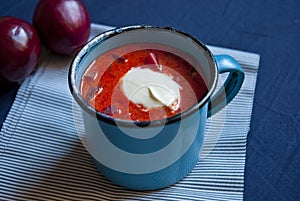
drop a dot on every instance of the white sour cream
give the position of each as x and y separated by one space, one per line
150 88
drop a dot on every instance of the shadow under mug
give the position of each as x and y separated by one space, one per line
152 155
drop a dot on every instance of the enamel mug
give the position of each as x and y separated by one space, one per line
152 155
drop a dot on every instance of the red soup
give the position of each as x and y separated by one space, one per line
101 84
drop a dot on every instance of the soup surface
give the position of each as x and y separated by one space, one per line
104 85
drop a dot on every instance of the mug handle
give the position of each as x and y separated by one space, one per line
232 85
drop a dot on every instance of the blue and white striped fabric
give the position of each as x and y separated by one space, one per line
42 157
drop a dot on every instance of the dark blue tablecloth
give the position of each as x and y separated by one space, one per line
271 29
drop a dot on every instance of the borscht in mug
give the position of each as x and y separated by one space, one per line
142 82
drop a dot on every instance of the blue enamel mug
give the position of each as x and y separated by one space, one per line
154 154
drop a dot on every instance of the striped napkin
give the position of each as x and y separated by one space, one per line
43 158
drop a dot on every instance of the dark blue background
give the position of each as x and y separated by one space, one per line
270 28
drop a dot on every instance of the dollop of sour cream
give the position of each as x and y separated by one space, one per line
151 89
